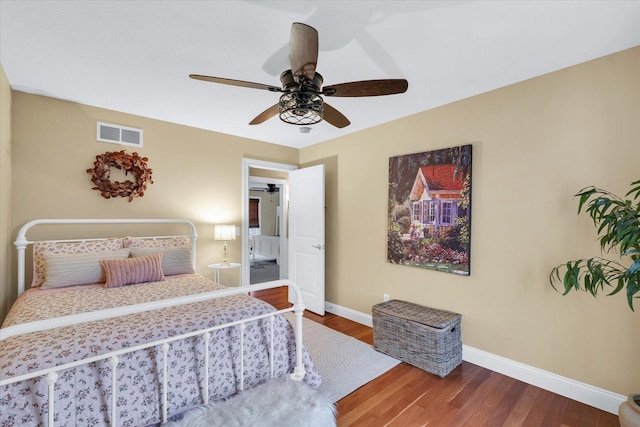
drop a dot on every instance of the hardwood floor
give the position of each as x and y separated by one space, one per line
469 396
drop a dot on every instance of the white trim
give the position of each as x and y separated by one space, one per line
347 313
590 395
567 387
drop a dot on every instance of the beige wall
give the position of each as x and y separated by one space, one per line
535 144
196 173
267 173
5 194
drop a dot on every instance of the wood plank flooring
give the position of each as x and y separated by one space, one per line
470 395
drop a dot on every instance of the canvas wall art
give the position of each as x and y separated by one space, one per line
429 222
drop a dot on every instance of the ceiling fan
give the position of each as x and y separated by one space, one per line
301 101
270 188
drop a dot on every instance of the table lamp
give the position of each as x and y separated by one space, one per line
225 233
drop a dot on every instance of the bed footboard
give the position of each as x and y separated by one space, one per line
51 377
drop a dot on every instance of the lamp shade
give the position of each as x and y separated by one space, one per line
225 232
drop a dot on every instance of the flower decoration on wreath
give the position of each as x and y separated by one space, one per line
131 164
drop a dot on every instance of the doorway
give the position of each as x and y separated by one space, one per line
266 196
272 247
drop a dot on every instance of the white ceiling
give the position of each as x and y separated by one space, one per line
135 56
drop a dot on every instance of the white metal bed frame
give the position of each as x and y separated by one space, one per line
51 375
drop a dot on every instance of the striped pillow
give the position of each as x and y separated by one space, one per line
129 271
76 269
176 260
44 248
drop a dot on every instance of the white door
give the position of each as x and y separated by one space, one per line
306 235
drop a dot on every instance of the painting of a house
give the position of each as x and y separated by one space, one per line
435 196
430 209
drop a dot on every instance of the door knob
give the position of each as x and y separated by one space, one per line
318 246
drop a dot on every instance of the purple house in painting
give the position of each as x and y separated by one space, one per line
434 199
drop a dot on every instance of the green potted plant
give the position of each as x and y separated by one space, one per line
618 223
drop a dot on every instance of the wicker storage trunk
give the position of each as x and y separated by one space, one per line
421 336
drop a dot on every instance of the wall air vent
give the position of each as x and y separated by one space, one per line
117 134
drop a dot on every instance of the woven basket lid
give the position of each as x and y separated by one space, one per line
409 311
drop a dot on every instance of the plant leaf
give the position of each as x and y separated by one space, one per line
617 222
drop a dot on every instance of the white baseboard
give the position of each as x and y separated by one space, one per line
576 390
347 313
567 387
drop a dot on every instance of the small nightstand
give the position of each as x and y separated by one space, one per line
218 266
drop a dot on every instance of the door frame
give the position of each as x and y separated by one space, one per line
247 164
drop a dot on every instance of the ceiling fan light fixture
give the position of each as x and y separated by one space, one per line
301 108
301 103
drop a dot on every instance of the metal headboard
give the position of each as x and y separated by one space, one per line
22 242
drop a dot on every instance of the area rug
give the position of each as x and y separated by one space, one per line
345 363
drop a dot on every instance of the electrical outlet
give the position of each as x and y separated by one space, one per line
385 297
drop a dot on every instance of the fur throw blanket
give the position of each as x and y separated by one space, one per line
280 402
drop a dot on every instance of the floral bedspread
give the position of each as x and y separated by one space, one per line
83 394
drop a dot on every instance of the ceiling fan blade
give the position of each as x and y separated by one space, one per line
303 51
335 117
232 82
265 115
367 88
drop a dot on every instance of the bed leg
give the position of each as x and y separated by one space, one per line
206 337
165 350
51 382
271 349
298 371
113 362
242 327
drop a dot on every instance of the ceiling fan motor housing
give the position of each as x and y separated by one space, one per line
291 85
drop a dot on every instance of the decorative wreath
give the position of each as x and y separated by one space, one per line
131 164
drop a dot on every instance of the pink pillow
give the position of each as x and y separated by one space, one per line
127 271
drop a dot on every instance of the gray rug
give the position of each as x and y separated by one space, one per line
263 271
345 363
